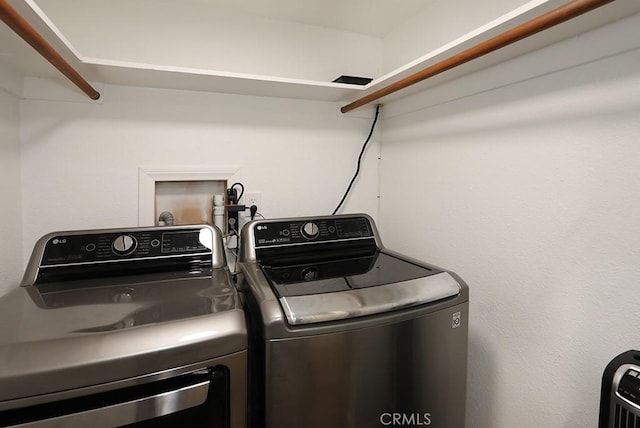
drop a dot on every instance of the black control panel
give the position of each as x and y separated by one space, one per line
125 245
315 230
629 386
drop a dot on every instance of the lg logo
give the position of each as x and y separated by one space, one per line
456 320
404 419
57 241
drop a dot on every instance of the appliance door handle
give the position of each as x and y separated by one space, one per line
130 412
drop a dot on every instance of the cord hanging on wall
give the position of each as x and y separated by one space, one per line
364 147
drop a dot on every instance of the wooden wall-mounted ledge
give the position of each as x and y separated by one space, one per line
18 24
547 20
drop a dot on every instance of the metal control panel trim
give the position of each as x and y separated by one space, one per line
263 234
70 249
138 259
292 232
261 247
64 249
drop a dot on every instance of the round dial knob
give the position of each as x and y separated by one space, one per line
310 230
124 244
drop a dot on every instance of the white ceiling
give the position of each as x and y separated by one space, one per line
369 17
18 55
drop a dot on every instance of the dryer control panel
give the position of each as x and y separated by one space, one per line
73 248
286 232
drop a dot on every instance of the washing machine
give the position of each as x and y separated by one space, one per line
346 333
124 327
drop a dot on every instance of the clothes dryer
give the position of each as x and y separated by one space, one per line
124 327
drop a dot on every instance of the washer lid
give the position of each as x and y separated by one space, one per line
346 273
331 306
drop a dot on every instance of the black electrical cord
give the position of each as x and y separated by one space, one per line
364 147
241 191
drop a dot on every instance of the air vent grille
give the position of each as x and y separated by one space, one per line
624 418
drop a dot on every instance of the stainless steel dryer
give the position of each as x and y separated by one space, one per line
129 327
347 333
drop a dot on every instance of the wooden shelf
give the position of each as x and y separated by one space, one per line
171 77
134 74
611 12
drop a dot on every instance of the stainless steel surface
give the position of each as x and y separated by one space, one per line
211 233
324 307
353 378
366 361
346 373
236 363
64 339
49 350
131 411
89 335
273 323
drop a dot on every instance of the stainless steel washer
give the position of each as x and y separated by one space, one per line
124 327
346 333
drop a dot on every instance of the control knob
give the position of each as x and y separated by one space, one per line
310 230
124 244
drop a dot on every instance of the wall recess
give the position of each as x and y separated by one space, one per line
166 183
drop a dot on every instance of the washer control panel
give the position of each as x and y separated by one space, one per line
286 232
80 248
